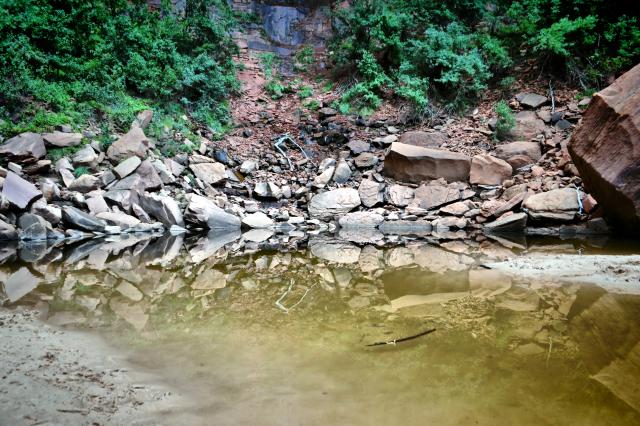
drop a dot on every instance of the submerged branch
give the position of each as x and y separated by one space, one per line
404 339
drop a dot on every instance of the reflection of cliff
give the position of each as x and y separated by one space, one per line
607 330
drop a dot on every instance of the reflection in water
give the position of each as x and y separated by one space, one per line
251 334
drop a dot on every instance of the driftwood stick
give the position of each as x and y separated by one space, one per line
404 339
553 99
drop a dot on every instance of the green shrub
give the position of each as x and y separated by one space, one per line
506 120
303 58
108 59
79 171
305 92
313 105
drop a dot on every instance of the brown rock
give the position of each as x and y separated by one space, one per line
210 173
415 164
528 126
529 149
62 140
26 147
606 150
432 196
488 170
423 139
371 192
133 143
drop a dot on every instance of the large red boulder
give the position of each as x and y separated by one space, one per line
606 150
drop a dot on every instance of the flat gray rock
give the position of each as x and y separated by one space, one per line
19 191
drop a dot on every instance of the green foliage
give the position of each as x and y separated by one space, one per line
452 50
414 49
79 171
505 120
303 58
305 92
54 154
270 63
71 60
275 89
313 105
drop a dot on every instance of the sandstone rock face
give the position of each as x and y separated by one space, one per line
26 147
415 164
488 170
606 150
558 204
338 201
133 143
423 139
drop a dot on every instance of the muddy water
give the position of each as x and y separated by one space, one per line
269 337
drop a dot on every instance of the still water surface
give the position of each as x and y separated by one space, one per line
271 337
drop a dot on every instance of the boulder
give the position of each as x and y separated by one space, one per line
531 100
558 204
50 213
149 178
415 164
85 157
126 167
342 173
143 119
513 223
606 150
85 183
423 139
267 191
528 126
400 195
371 192
364 219
258 220
203 211
331 203
62 139
26 147
324 178
365 160
489 170
8 232
435 195
120 219
18 191
33 227
132 143
358 146
248 166
77 219
519 154
455 209
210 173
163 208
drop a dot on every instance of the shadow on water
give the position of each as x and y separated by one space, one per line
276 331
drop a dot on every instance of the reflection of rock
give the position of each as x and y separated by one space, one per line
487 283
209 280
438 260
436 298
20 283
361 235
620 377
133 314
334 251
371 259
519 300
209 245
399 256
257 235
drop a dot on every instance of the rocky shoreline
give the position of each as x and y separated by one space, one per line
398 181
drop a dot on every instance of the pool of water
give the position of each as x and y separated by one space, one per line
330 332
